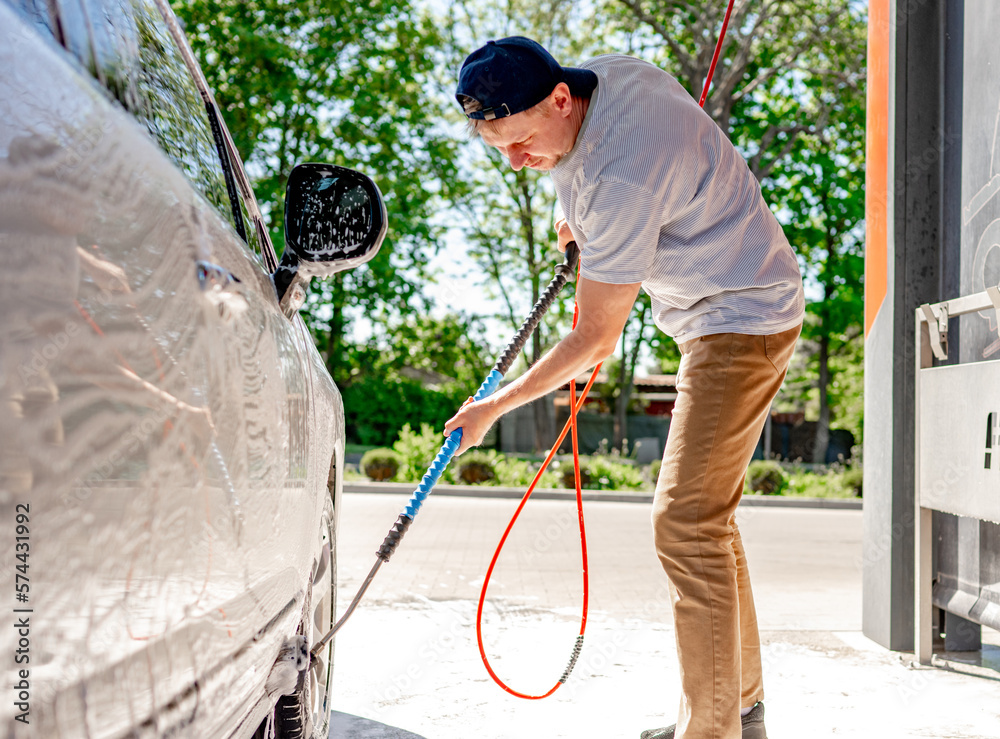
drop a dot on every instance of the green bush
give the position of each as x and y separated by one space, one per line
851 480
416 452
518 473
353 473
568 475
373 407
766 477
823 482
476 467
654 470
380 464
606 474
603 473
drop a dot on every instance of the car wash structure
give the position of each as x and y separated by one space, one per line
931 558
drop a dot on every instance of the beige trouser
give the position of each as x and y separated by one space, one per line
724 389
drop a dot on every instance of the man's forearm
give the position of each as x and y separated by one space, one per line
604 309
567 359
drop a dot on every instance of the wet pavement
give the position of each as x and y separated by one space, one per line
407 664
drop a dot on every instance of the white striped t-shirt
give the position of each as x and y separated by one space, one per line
654 192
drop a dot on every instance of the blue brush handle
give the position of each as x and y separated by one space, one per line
433 474
489 386
448 449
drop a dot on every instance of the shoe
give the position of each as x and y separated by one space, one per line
753 726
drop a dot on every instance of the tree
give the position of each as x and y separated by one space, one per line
615 392
826 199
509 216
819 189
415 370
772 46
789 93
346 83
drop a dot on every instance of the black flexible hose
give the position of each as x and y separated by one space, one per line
563 273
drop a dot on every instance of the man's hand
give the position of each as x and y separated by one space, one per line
604 309
475 420
564 233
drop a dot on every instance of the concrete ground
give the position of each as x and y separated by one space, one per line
407 664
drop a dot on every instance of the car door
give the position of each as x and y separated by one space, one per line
161 399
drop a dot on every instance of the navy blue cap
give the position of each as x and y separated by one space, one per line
513 74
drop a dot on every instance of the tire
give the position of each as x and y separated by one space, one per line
305 714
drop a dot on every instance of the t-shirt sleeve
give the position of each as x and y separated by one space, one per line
620 226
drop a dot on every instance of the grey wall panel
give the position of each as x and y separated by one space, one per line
915 239
882 551
967 566
944 242
980 173
959 473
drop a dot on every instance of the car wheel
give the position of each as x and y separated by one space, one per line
305 714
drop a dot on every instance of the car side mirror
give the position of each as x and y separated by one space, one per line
335 219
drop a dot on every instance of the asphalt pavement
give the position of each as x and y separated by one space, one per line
407 665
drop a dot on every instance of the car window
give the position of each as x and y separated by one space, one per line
253 238
36 13
128 48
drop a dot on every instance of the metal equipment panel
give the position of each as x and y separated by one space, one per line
959 438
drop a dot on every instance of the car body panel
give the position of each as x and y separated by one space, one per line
170 429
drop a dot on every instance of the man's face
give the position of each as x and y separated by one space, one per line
534 141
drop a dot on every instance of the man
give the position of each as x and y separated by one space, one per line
657 197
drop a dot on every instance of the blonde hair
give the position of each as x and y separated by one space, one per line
474 126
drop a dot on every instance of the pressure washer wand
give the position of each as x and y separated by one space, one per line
563 274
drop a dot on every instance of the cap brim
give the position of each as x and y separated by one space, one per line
581 82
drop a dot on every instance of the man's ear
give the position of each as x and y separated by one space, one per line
562 100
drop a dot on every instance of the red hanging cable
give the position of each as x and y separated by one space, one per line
574 407
715 57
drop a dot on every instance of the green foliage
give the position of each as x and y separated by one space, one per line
518 473
441 352
353 474
374 408
766 477
654 470
834 481
608 474
346 83
818 191
475 467
369 85
600 472
380 464
416 452
845 392
420 369
568 476
851 479
847 384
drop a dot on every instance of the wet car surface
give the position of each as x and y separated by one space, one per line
168 432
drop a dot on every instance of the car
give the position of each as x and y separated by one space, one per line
171 442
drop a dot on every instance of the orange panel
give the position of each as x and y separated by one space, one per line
877 155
